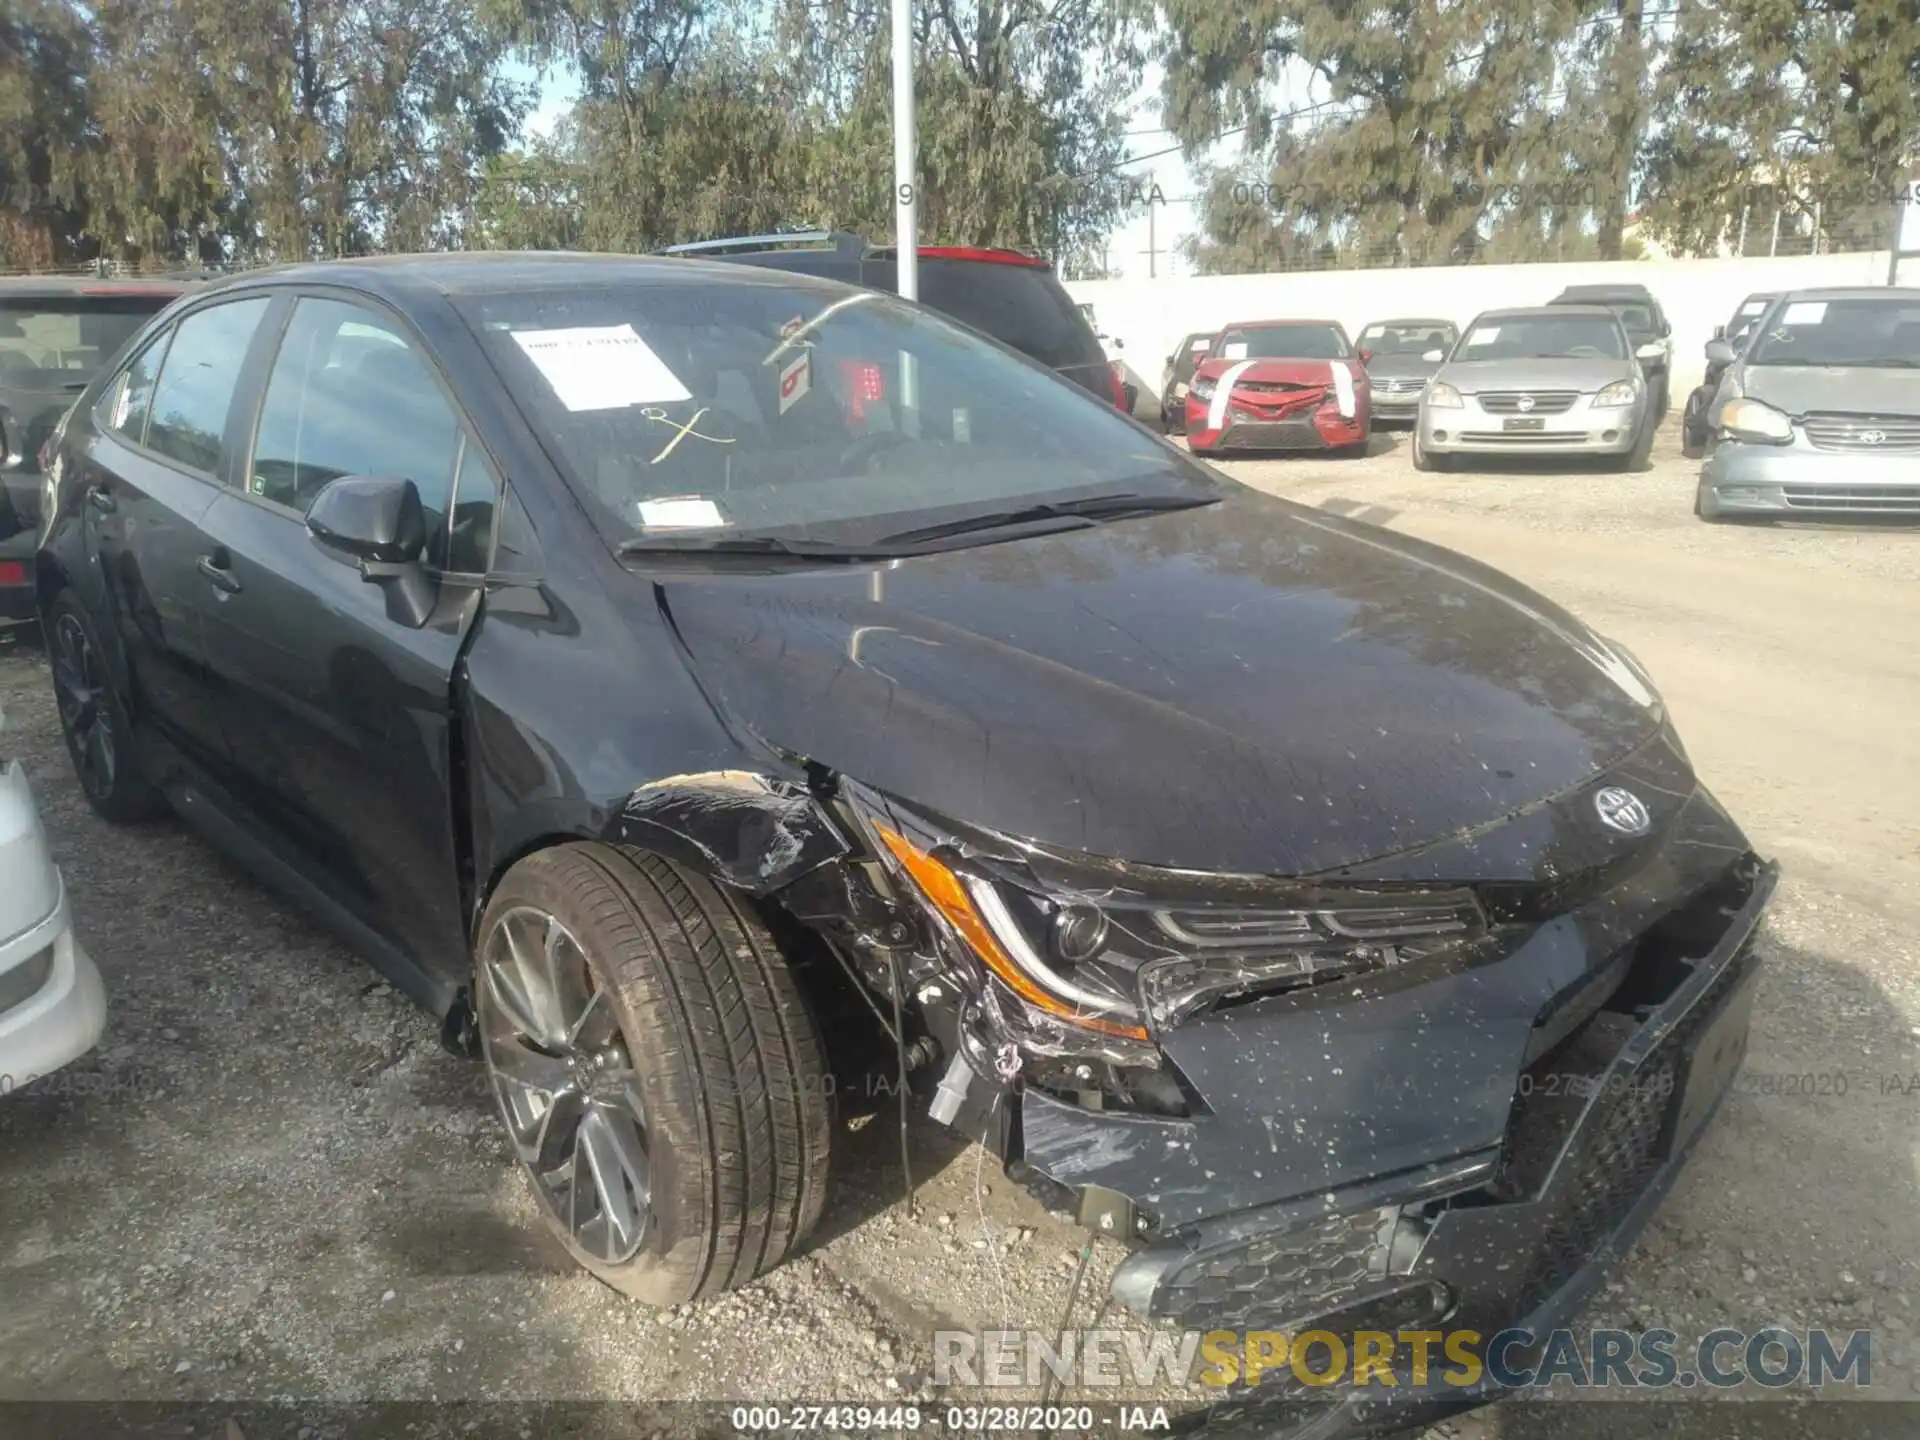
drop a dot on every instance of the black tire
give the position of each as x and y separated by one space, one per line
1693 426
94 720
1425 463
735 1100
1640 458
1662 398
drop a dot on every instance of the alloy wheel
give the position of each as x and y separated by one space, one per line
79 692
565 1082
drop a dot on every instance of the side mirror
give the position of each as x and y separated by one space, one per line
378 521
1366 357
1719 352
1434 357
1652 350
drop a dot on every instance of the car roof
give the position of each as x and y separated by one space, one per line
1557 312
1852 292
1604 292
478 272
1410 320
1273 324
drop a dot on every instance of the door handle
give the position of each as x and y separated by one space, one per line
219 575
102 501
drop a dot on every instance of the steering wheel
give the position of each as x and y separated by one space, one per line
862 448
1586 352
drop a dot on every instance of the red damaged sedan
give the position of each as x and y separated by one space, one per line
1279 385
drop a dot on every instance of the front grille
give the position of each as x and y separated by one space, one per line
1398 387
1882 434
1279 1276
1279 387
1258 435
1545 402
1884 499
1523 437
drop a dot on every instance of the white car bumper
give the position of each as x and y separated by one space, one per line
53 1007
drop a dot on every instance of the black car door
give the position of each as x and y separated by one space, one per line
149 457
337 717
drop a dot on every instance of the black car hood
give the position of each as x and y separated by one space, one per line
1249 688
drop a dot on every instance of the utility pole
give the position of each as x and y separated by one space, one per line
906 199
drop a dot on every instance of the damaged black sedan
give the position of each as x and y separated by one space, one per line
677 675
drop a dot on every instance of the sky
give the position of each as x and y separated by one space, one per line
1178 183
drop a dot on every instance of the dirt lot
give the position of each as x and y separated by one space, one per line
271 1184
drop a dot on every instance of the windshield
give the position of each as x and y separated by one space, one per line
1840 332
56 344
1637 318
806 410
1282 342
1398 339
1544 337
1192 351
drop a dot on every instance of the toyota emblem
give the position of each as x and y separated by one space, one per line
1525 402
1622 810
1872 437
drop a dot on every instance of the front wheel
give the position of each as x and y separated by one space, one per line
1693 426
1425 462
662 1081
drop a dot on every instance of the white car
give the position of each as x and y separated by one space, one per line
52 1004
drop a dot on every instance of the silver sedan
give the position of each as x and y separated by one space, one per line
1559 380
1821 413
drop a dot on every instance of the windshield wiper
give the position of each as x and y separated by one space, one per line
1883 362
694 545
1090 511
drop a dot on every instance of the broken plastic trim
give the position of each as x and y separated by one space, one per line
750 830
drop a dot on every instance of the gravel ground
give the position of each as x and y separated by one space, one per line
269 1184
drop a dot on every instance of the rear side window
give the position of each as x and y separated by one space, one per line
1019 305
197 382
58 344
124 408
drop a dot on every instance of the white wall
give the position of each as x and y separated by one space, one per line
1152 316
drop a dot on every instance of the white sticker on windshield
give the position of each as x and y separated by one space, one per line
1807 312
1484 337
681 512
1201 344
1236 351
796 378
601 367
962 427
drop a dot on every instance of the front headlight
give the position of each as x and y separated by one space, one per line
1202 389
1078 973
1614 396
1443 396
1746 419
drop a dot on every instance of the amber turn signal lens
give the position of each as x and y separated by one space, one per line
947 895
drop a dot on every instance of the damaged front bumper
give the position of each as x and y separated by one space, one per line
1414 1150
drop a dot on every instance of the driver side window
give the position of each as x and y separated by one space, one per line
349 394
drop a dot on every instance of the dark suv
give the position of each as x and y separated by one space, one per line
55 334
1009 295
1646 326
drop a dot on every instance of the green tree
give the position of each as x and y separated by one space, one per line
1804 106
1439 127
44 63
